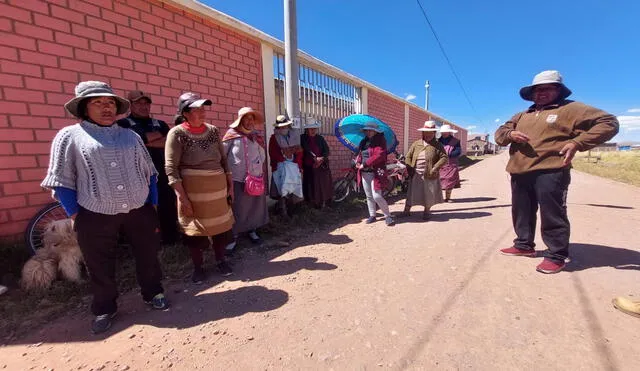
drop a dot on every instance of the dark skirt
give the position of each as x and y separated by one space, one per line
317 185
249 211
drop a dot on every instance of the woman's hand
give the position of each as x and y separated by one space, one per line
185 207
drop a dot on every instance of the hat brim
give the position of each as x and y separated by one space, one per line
141 97
259 117
283 124
372 129
72 105
526 92
425 129
312 126
452 131
200 102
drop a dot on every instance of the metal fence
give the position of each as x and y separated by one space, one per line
322 97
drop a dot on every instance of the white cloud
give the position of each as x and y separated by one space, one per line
410 97
629 122
497 120
471 127
634 110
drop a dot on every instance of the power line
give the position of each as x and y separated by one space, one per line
455 74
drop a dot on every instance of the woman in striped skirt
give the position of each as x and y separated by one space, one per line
197 168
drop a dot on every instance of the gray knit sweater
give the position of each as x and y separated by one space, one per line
108 167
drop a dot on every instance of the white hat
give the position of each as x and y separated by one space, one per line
429 125
371 126
545 77
245 111
315 124
446 128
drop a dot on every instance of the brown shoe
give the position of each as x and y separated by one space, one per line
627 306
405 214
426 215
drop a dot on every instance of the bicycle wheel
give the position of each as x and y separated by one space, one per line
389 188
341 189
46 215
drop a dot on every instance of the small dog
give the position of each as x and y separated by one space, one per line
59 253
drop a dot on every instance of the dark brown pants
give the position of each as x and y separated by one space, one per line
98 239
197 244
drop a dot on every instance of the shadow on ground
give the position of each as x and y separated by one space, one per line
585 256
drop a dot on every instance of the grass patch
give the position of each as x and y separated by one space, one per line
21 312
622 166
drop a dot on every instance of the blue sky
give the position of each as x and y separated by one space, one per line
496 46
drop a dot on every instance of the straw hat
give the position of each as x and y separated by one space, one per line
446 128
245 111
282 121
545 77
90 89
429 125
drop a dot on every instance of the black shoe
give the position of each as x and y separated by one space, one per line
255 239
159 302
198 275
102 323
225 269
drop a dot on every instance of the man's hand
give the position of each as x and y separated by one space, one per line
518 136
153 136
568 151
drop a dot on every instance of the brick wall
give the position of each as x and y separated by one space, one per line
389 110
47 47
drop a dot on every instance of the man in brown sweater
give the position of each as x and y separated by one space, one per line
544 138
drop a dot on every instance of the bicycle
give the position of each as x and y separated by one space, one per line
343 186
33 234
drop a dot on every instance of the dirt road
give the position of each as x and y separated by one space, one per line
420 295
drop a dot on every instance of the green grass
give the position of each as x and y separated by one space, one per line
621 166
21 312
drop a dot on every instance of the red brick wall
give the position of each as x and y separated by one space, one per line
417 117
47 47
389 110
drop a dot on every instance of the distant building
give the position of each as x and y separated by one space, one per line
606 147
479 144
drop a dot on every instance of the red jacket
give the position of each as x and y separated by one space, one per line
276 155
377 160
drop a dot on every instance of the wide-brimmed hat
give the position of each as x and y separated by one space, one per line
282 121
428 125
191 100
313 125
545 77
90 89
245 111
136 95
371 126
446 128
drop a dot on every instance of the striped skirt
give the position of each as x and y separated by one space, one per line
207 191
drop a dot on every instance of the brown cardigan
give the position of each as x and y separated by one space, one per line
435 156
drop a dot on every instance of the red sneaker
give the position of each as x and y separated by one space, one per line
549 266
514 251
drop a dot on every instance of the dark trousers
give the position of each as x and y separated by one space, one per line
98 239
167 210
197 244
548 190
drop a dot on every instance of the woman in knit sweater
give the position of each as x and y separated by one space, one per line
104 178
197 168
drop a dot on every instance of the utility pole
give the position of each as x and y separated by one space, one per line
426 98
292 90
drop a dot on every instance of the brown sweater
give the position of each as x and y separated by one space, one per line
435 156
185 150
550 129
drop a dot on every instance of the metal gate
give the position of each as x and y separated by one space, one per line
322 97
